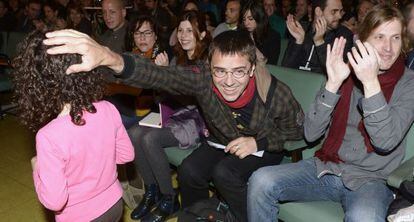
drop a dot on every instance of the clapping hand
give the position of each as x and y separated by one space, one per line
295 29
162 59
366 66
320 30
337 70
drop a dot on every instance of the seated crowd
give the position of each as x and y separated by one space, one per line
206 60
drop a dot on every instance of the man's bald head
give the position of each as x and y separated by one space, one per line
114 13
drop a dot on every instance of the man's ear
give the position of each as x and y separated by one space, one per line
124 13
318 11
202 35
252 70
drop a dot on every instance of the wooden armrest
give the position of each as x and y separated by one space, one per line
119 88
403 172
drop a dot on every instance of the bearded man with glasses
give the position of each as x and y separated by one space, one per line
246 109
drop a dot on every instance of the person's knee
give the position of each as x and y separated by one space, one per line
188 174
224 176
150 139
262 182
135 133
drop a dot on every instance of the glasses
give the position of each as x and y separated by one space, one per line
237 73
146 34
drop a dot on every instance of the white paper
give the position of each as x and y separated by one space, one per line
151 120
221 146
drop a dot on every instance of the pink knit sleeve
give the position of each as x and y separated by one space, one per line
124 149
48 175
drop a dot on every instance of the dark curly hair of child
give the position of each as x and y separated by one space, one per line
42 88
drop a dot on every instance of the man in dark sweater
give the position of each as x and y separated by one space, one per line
246 109
307 45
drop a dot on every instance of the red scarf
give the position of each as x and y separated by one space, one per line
244 99
329 150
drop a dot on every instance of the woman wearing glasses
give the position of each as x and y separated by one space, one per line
183 129
144 38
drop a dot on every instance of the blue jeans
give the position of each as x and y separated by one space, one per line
299 182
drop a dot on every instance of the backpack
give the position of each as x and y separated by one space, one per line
209 210
402 208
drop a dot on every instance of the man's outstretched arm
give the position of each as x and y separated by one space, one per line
93 54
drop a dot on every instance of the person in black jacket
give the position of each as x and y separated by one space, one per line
256 22
307 46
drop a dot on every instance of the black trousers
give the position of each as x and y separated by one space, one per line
228 173
150 157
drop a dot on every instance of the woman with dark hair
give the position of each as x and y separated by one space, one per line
77 19
80 138
50 12
256 22
143 37
184 128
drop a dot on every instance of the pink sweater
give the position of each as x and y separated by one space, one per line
75 174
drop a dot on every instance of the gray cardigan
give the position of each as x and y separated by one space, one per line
386 124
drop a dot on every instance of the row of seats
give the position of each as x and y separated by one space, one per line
9 42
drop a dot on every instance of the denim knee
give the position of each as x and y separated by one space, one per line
261 182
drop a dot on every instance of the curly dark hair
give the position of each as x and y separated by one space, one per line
42 88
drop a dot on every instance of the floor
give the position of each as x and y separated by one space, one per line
18 200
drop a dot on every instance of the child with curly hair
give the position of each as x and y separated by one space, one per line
80 138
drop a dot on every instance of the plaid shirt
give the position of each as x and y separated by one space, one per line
277 120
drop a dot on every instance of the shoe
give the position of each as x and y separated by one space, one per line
166 208
149 200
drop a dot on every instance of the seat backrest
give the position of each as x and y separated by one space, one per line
303 84
3 42
410 144
283 46
14 38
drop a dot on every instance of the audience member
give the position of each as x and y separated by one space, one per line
409 18
211 22
276 22
233 8
162 17
25 23
16 8
364 116
301 11
208 6
306 49
255 21
287 8
80 138
363 8
114 13
149 143
77 19
245 108
51 15
144 38
349 21
7 18
190 5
